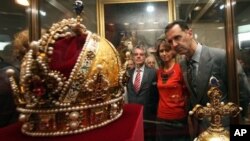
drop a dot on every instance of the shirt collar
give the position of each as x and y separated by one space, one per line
197 53
141 68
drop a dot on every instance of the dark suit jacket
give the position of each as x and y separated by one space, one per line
8 113
212 63
147 95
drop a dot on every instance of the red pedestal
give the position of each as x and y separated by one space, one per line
129 127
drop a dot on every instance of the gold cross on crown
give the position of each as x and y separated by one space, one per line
215 110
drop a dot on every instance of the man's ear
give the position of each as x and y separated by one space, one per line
190 32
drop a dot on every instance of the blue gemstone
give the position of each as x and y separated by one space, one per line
78 6
214 81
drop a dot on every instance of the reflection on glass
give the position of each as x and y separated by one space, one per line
136 24
242 49
207 19
13 20
54 11
22 2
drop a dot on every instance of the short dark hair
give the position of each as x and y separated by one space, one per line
183 25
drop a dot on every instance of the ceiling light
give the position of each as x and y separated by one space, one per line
150 8
155 22
220 27
23 2
197 8
126 24
43 13
111 24
222 6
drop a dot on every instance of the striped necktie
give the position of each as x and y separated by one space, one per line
137 82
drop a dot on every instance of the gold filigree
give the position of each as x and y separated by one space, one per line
215 110
51 104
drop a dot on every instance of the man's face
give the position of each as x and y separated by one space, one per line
130 64
180 40
150 62
139 57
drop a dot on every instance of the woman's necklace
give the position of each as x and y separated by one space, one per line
166 74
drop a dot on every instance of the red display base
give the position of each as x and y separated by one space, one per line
129 127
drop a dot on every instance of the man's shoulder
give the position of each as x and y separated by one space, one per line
131 71
215 51
150 70
4 64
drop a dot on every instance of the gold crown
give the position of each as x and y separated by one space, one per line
51 104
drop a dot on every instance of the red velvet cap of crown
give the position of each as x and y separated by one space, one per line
65 53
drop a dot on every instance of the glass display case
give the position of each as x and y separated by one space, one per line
131 23
14 19
241 37
219 24
223 24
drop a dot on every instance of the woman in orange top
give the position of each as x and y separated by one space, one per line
171 114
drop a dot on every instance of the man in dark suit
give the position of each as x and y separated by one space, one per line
8 113
142 90
204 61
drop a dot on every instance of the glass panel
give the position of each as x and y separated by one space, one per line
135 18
136 24
207 20
54 11
13 20
242 49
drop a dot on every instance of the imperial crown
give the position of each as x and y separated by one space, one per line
71 81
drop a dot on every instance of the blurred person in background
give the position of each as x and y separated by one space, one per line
18 49
151 62
142 90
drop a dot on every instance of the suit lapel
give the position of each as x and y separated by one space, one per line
204 73
144 78
131 80
183 64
